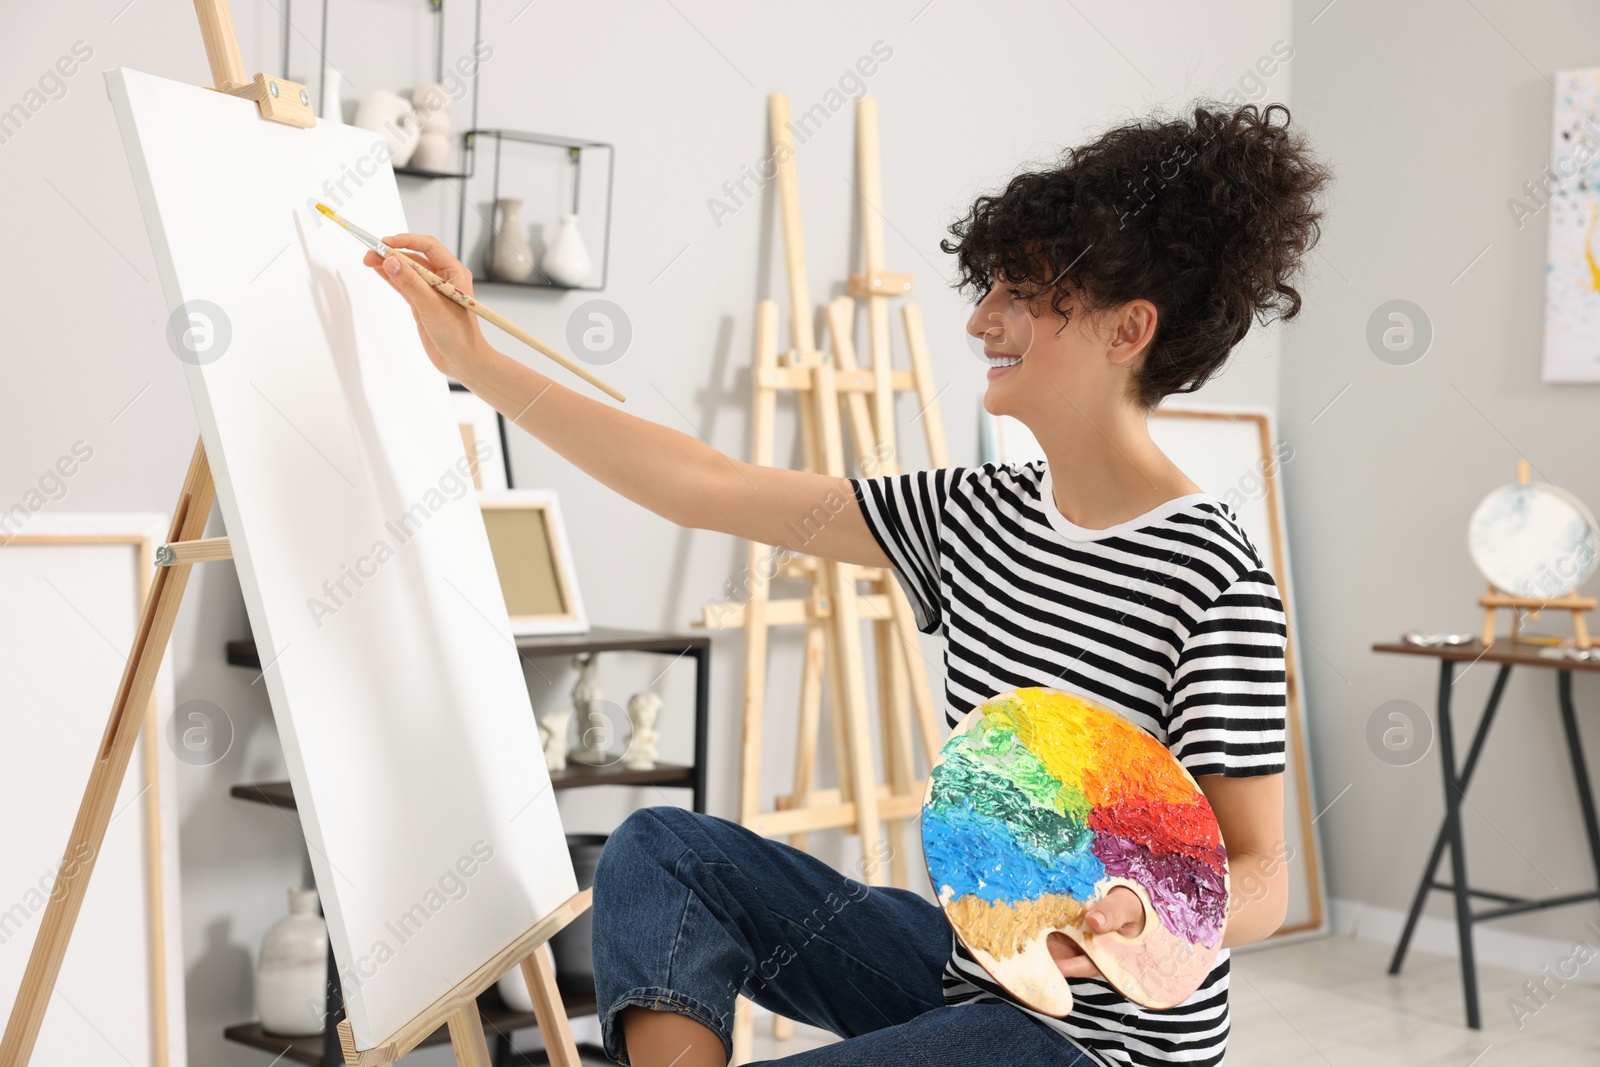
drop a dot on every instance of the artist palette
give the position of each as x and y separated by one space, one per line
1040 804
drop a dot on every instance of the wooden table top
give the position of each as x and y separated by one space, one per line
1502 651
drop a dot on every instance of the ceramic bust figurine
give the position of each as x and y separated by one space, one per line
642 709
553 734
594 728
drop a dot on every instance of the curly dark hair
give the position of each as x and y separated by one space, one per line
1207 219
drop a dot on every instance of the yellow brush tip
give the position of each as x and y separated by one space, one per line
326 210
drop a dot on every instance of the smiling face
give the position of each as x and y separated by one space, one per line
1042 365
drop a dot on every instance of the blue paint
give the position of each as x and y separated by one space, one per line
975 854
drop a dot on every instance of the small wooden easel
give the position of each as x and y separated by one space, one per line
1492 601
278 101
834 608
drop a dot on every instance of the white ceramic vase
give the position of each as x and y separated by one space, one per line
390 114
510 258
566 260
332 107
433 151
432 103
290 978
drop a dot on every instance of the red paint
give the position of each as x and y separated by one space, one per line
1189 829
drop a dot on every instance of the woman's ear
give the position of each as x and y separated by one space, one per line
1133 327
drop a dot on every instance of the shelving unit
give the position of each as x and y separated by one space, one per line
574 147
499 1021
437 8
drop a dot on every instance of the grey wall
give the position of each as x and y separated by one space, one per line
1434 116
971 92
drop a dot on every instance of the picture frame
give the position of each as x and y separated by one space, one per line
531 553
480 423
1234 454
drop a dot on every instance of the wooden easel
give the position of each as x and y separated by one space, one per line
834 608
1492 601
278 101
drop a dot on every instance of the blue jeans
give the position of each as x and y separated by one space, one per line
691 910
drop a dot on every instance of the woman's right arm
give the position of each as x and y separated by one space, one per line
679 477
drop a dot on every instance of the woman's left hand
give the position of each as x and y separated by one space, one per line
1120 911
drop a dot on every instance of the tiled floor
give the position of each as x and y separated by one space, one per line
1330 1003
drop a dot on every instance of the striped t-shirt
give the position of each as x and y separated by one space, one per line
1169 618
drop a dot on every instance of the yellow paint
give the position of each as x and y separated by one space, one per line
1088 748
1588 250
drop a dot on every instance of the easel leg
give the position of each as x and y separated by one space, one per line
466 1039
109 769
744 1031
538 970
895 718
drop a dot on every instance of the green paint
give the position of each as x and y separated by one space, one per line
962 782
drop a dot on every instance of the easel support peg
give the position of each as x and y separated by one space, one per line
205 550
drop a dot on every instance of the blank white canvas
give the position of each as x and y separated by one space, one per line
1224 458
395 683
68 615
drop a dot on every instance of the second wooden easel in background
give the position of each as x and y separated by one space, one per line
834 607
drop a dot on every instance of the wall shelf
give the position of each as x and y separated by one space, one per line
575 148
499 1021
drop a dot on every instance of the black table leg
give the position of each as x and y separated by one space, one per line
1431 870
702 705
1580 770
1458 856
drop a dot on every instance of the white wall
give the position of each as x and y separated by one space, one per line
971 92
1434 116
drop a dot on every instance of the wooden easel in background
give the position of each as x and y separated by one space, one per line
834 608
278 101
1492 601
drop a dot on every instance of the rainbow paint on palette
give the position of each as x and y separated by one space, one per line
1042 804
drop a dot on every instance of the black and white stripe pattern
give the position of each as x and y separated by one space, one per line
1170 619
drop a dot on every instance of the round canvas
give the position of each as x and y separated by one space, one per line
1040 803
1533 540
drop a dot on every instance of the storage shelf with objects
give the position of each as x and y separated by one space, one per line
500 1021
497 249
437 154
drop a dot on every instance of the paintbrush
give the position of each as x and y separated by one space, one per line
444 288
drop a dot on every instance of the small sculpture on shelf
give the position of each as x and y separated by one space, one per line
642 709
553 735
390 114
432 102
594 726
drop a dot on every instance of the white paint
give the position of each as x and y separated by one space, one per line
70 612
398 694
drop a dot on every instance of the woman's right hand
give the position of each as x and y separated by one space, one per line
450 333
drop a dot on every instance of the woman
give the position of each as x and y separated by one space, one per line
1122 275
